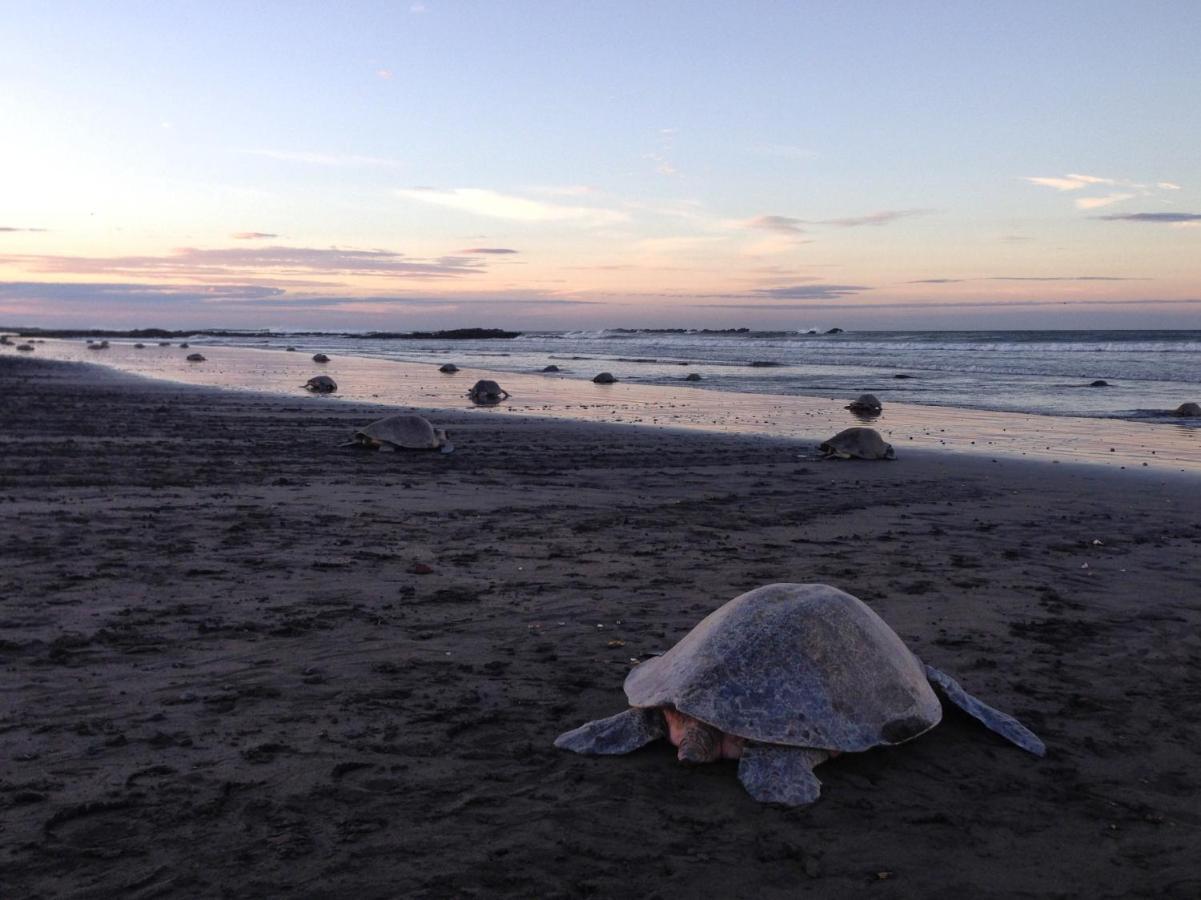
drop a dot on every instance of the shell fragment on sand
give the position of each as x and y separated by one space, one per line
796 673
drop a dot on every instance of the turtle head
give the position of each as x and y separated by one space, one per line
698 742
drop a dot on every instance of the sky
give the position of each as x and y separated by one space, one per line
563 164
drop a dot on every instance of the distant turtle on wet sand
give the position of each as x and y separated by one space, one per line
782 678
195 357
448 368
289 349
1100 382
550 368
692 376
103 345
139 346
604 378
184 345
857 443
1188 410
321 384
486 392
164 343
320 357
402 432
865 403
25 348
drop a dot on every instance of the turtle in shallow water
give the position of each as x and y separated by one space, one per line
550 368
321 384
487 392
1100 382
195 357
402 432
782 678
692 376
320 357
857 443
604 378
1189 410
865 403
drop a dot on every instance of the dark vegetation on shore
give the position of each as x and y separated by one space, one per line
453 334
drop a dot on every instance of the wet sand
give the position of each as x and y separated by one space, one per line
237 661
1171 446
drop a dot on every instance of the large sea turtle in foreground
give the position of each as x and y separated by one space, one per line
857 443
402 432
782 678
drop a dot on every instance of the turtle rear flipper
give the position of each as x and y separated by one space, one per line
773 773
622 733
992 719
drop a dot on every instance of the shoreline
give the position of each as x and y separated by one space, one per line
1110 443
225 672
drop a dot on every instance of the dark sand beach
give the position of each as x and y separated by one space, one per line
238 661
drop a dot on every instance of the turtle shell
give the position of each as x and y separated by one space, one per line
1188 409
866 403
448 368
407 431
803 665
321 384
858 443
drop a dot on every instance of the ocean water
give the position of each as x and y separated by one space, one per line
1046 372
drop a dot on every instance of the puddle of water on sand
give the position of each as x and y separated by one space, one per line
1106 441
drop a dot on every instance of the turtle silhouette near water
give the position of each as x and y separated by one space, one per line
857 443
782 678
401 432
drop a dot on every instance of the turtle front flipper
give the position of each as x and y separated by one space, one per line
621 733
992 719
773 773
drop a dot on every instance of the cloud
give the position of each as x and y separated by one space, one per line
10 230
324 159
1069 182
1026 278
1160 217
384 74
1097 202
877 218
784 224
810 291
252 235
495 205
147 294
496 251
1168 186
234 262
958 304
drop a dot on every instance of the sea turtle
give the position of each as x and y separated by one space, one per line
4 340
290 349
139 346
782 678
25 348
487 392
865 403
448 368
604 378
402 432
1190 410
857 443
692 376
184 345
195 357
164 343
321 384
550 368
320 357
103 345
